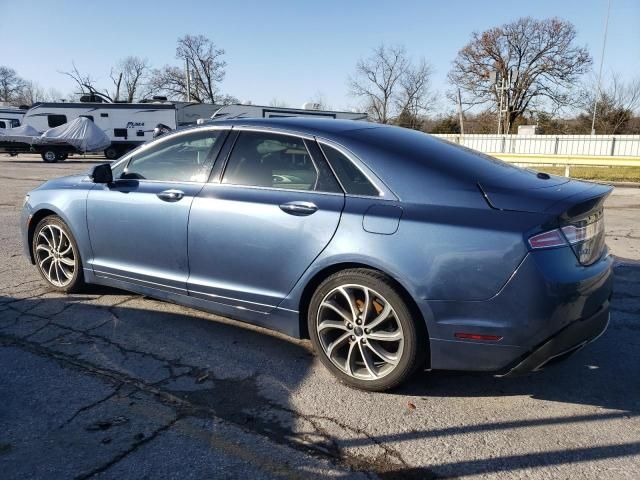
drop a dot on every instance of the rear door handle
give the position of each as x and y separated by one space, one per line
299 208
171 195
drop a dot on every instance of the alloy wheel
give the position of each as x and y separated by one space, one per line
55 255
359 332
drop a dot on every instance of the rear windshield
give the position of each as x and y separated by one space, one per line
421 150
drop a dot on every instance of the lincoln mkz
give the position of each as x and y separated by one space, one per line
389 249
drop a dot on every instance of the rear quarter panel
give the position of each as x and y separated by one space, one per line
437 253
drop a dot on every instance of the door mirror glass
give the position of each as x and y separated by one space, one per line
101 173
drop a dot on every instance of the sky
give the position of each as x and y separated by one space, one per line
292 51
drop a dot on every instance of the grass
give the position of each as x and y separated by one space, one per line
603 174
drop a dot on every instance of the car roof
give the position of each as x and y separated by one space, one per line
305 125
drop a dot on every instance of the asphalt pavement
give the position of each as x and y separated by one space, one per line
107 384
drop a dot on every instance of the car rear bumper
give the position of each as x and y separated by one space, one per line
563 344
550 305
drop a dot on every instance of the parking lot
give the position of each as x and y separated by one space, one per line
106 384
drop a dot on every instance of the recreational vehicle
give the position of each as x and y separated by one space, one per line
11 117
258 111
126 124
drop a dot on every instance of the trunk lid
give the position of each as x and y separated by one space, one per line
575 207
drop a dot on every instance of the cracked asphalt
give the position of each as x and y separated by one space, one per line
106 384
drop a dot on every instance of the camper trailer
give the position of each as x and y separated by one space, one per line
188 113
258 111
11 117
126 124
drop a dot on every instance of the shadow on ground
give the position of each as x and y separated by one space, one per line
221 370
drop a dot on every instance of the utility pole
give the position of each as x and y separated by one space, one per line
604 43
188 78
501 90
460 116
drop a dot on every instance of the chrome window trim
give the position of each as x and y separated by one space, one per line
277 189
383 190
164 138
277 131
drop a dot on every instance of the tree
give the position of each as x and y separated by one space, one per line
128 77
206 70
390 84
617 102
86 83
11 86
449 124
539 56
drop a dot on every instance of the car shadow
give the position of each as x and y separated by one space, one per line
598 375
244 375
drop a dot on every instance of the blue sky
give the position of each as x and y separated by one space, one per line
287 50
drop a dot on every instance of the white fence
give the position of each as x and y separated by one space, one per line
578 145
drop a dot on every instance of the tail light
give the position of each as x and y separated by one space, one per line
586 239
552 238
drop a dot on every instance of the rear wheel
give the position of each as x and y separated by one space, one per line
49 156
62 156
364 332
56 255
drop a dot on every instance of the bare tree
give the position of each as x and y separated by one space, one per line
617 102
392 86
206 69
540 57
86 83
128 77
377 79
415 98
168 80
11 85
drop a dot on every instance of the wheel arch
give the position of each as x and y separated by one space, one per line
42 212
318 277
33 222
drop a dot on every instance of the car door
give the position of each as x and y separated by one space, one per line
256 227
138 224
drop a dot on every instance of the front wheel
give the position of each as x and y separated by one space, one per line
364 332
56 255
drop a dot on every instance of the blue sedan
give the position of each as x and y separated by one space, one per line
389 249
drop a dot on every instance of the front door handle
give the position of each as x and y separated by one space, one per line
299 208
171 195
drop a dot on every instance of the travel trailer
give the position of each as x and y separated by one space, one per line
188 113
257 111
126 124
11 117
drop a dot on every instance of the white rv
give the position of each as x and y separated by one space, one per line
188 113
258 111
126 124
11 117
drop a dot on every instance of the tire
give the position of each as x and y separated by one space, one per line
400 356
112 153
62 156
49 156
46 240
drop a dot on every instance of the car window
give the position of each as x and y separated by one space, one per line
351 177
184 158
265 159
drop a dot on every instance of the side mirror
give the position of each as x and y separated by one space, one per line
101 173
